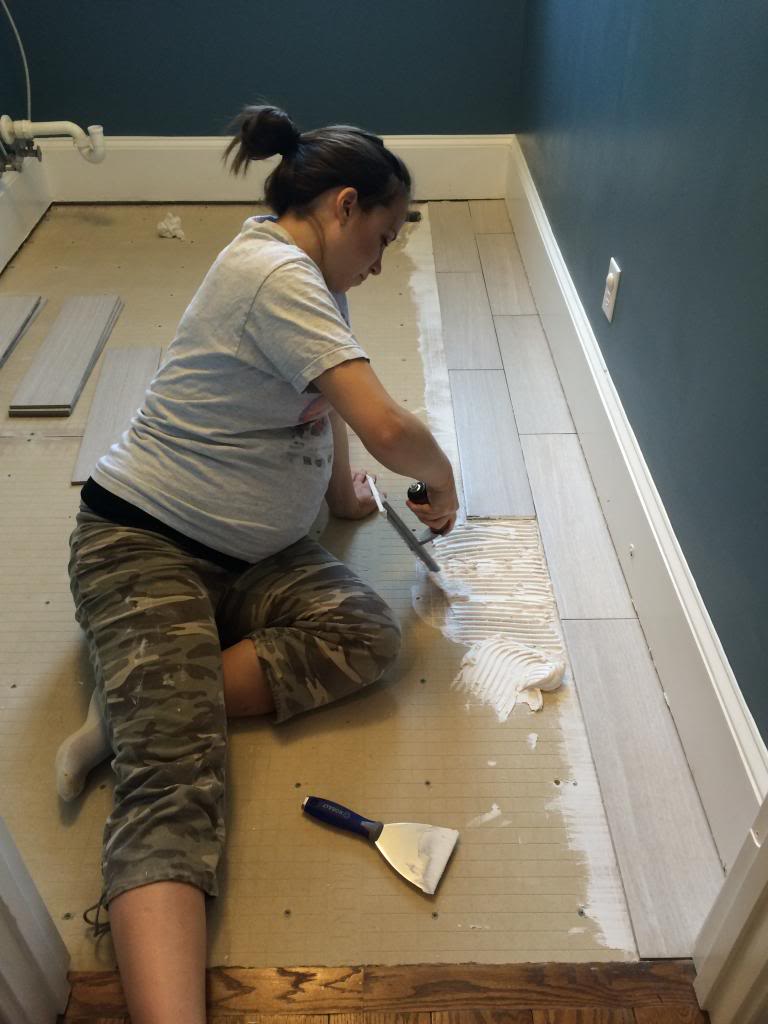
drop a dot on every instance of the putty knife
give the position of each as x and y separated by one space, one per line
418 852
415 544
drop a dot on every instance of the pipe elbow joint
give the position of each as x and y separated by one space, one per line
97 150
91 146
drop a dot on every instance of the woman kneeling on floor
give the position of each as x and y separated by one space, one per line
200 593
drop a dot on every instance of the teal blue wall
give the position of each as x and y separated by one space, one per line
185 67
646 131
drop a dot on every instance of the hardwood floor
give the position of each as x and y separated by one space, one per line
648 992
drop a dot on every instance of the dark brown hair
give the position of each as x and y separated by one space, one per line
337 156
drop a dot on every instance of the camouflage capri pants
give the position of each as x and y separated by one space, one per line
156 619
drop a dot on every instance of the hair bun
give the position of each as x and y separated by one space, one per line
268 130
261 132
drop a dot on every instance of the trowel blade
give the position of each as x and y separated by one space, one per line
394 519
416 547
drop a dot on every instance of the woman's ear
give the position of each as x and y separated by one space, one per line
348 199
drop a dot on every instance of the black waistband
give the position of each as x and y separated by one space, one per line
117 510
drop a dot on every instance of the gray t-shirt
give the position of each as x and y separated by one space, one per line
229 447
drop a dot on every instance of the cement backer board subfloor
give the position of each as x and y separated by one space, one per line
536 881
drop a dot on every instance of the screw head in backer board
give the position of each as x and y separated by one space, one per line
611 287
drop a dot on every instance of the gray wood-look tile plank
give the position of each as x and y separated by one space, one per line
453 238
489 216
534 386
56 377
666 854
469 337
123 381
492 467
505 276
16 314
586 575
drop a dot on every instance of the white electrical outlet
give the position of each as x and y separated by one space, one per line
611 287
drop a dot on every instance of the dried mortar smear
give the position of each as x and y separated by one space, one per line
410 748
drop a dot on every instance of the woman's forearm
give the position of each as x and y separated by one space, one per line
407 447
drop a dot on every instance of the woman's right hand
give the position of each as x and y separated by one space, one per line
439 513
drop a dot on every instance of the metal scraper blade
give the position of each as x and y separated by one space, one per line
418 852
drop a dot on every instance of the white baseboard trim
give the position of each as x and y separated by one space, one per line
190 169
24 199
727 756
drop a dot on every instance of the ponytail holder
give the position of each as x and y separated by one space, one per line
290 148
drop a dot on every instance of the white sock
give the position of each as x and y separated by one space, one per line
81 751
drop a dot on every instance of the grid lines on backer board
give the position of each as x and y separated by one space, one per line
413 748
16 314
55 379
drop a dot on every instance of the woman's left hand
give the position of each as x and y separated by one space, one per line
362 503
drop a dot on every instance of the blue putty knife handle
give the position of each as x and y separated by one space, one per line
335 814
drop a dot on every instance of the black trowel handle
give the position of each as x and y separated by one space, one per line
417 493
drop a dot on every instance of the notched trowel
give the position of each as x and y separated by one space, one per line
418 852
416 544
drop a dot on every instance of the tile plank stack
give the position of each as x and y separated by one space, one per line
125 376
16 314
55 379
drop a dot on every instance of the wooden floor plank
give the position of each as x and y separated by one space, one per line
123 381
453 238
95 993
505 276
670 1015
469 336
270 1018
489 216
492 467
52 384
483 1017
379 1017
586 575
271 990
286 989
641 765
16 314
492 994
440 987
587 1015
534 386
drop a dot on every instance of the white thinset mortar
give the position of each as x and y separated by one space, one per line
587 828
494 595
422 285
502 672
